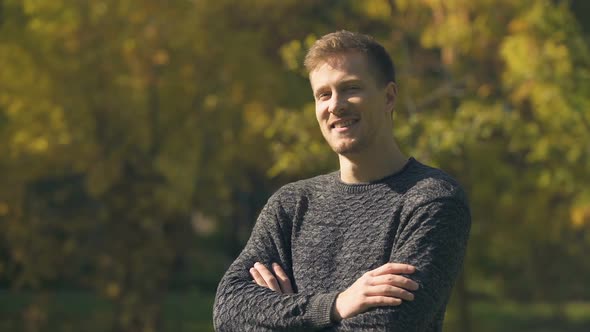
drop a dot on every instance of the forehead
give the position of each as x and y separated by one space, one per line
340 67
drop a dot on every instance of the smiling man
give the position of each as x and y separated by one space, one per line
375 246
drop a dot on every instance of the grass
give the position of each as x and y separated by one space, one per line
525 317
84 311
191 311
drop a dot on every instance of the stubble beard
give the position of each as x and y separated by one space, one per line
349 147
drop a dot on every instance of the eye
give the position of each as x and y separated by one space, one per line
324 95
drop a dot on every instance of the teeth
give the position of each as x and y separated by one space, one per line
344 124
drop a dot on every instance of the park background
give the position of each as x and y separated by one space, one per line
139 140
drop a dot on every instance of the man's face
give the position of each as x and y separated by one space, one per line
352 108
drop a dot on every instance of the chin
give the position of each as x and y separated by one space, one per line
346 149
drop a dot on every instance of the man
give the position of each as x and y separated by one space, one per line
375 246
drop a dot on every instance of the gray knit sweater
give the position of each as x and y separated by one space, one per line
326 234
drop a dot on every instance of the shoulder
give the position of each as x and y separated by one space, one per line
434 198
292 194
290 200
304 188
424 184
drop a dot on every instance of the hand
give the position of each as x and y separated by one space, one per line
382 286
263 277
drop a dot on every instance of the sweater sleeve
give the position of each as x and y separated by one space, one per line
242 305
433 238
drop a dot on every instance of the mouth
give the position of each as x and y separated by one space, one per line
343 125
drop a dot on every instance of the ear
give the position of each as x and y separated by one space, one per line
390 96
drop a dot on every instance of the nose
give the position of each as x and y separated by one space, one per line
337 105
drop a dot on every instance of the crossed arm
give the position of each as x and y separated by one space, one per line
383 286
433 241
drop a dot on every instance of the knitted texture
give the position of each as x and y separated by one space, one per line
326 234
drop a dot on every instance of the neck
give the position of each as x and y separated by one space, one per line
371 164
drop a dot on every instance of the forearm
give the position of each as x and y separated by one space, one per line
423 314
241 305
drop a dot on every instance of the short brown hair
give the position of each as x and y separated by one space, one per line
343 41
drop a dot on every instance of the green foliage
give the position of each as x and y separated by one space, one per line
130 130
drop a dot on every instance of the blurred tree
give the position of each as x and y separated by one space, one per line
122 120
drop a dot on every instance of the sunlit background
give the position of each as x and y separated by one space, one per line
139 140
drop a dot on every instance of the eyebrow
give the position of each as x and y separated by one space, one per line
341 83
351 80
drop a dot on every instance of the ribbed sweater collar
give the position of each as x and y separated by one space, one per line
357 188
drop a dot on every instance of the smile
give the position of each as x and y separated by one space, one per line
343 124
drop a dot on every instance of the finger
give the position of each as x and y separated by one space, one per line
393 268
377 301
284 280
268 277
394 280
391 291
257 277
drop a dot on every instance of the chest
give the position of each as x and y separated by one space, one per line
332 247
